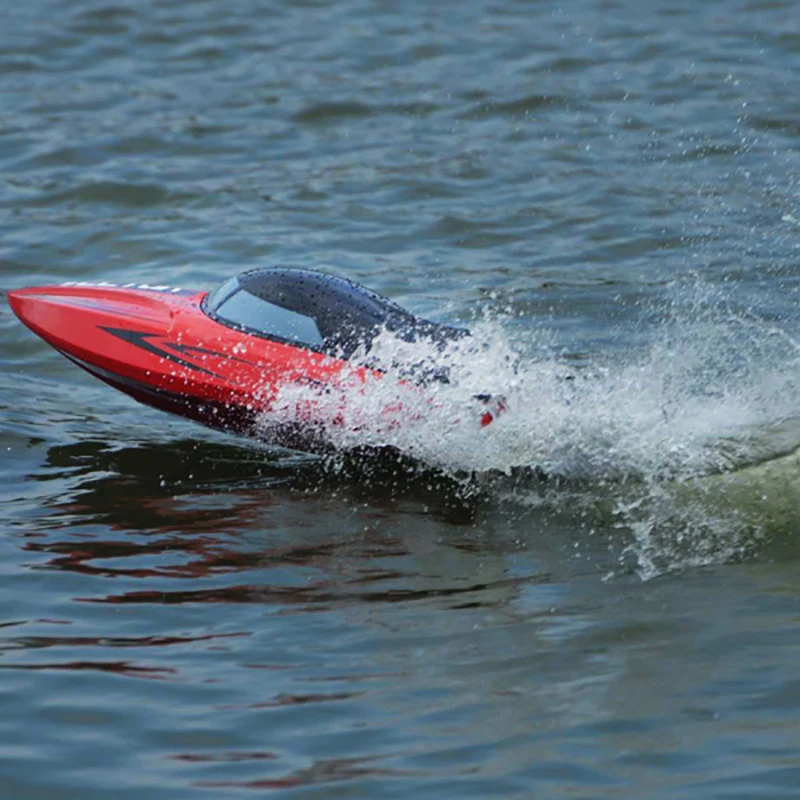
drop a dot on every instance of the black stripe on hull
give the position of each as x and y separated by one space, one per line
142 340
229 417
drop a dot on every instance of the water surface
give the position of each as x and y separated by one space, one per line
607 194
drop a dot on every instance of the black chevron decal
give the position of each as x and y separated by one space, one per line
143 339
189 348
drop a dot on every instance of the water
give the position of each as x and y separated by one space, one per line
607 194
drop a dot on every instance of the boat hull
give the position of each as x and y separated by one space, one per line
157 345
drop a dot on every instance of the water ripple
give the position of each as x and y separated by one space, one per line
610 188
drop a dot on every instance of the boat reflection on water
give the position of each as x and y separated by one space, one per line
243 522
280 609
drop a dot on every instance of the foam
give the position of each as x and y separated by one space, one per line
714 388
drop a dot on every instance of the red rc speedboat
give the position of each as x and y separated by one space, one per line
222 358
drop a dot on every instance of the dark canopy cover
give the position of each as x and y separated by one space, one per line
324 312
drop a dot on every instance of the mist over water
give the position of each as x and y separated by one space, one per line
712 390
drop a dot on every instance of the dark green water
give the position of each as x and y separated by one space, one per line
607 191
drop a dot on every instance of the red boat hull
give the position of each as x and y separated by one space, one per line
158 346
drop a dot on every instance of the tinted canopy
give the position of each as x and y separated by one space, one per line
312 309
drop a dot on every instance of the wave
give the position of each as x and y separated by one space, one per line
644 436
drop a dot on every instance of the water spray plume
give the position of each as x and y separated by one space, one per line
641 435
